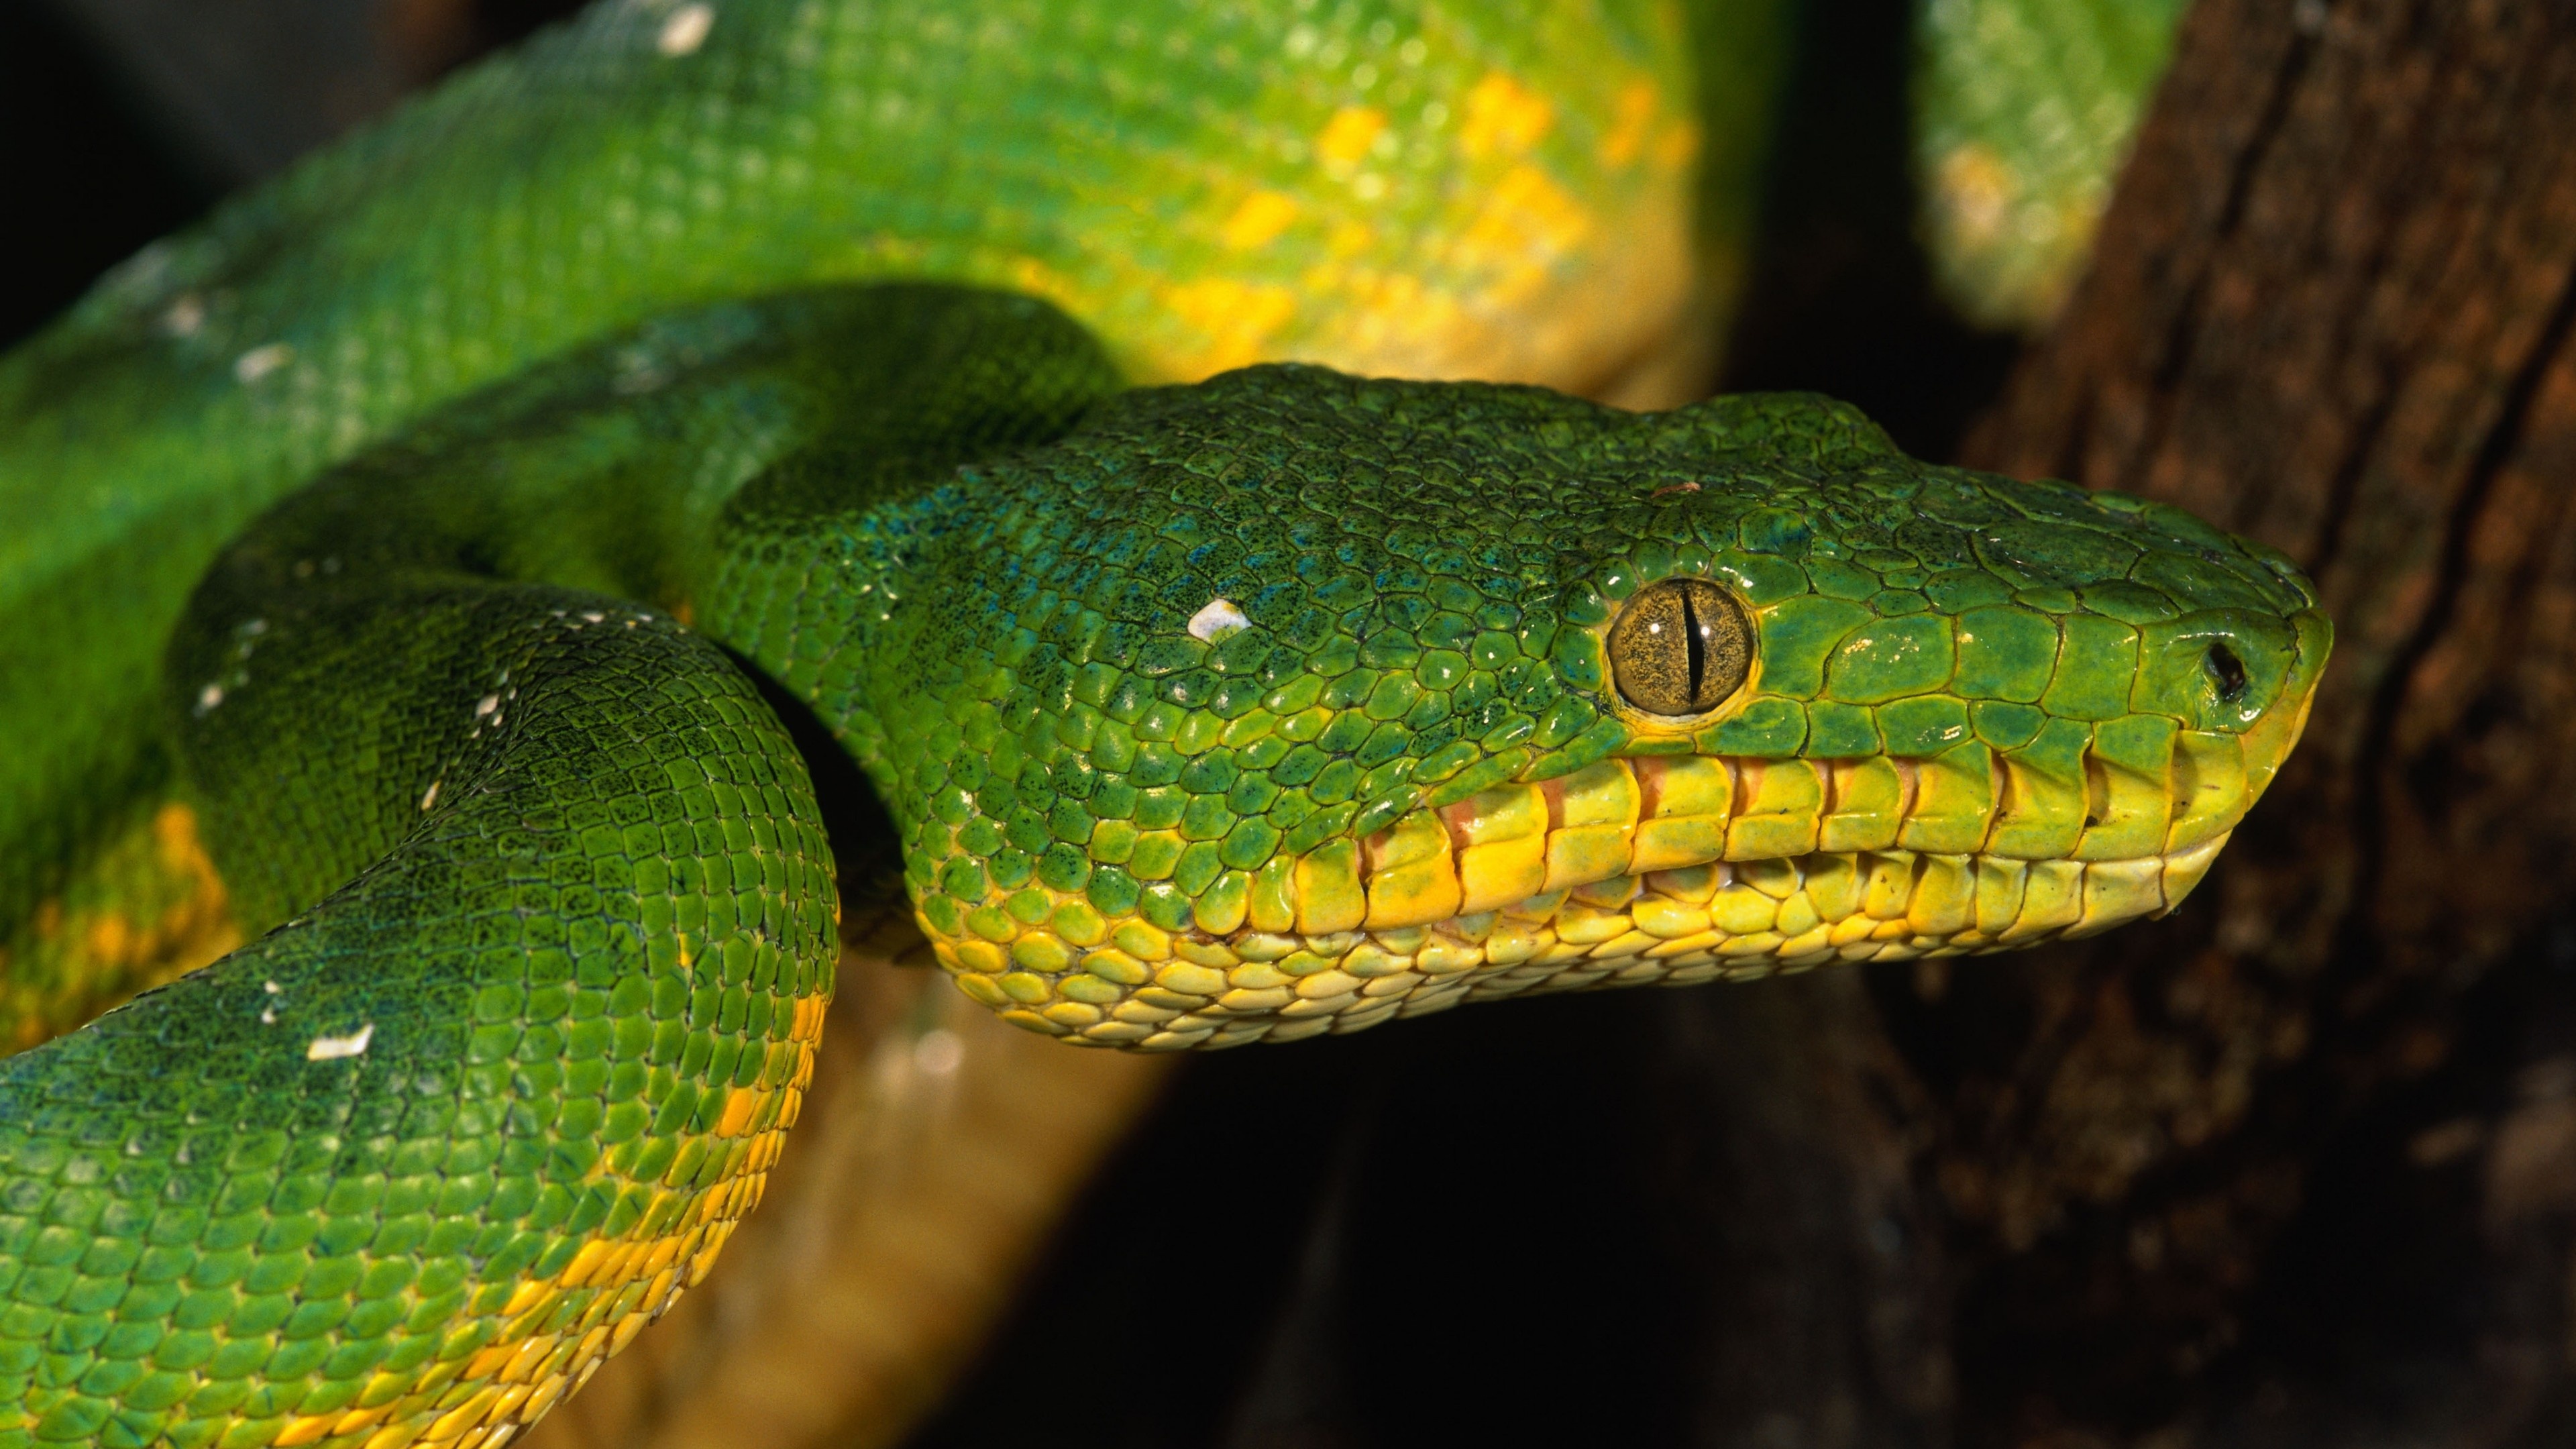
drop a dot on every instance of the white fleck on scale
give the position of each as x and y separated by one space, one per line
333 1048
1218 619
686 30
259 362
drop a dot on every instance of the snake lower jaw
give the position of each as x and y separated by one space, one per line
1147 989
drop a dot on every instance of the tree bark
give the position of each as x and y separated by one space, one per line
2298 1165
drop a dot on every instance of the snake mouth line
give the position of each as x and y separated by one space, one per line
1153 990
1635 871
1637 817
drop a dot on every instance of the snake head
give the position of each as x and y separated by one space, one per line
1289 702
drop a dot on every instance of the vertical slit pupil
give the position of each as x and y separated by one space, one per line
1679 648
1696 646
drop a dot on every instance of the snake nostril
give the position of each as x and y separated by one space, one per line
2227 671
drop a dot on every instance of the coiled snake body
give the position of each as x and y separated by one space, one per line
512 450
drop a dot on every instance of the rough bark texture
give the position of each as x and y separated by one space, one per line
2299 1165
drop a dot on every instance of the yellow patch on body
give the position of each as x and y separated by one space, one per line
1976 187
1526 226
148 909
554 1332
1237 318
1504 119
1038 279
1258 221
1539 265
1346 138
1638 102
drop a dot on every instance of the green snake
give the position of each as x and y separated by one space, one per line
412 575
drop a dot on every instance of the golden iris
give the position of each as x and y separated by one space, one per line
1680 648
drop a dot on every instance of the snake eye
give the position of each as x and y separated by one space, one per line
1680 648
2226 671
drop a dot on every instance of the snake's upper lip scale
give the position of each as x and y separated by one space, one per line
1637 816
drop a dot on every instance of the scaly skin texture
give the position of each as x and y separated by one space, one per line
1422 187
1268 706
